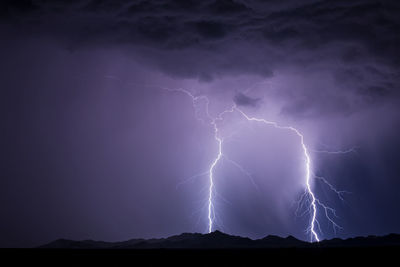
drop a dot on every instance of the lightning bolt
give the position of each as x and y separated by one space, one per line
213 121
312 200
339 193
211 212
347 151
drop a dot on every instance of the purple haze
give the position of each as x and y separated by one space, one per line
92 147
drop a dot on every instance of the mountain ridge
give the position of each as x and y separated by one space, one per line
220 240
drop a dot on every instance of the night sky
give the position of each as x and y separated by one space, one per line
98 143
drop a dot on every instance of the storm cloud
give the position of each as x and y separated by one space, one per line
241 99
207 40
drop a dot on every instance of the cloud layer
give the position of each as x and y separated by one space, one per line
354 42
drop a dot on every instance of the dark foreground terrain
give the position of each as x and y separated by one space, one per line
219 240
215 249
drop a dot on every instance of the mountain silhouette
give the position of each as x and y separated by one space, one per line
219 240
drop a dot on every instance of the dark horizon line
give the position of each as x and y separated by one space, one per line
230 235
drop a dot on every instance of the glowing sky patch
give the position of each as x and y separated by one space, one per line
314 226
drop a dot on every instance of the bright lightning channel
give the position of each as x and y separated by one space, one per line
314 235
211 214
213 122
314 201
347 151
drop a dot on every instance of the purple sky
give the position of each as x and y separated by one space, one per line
92 147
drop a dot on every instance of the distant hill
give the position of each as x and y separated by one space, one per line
219 240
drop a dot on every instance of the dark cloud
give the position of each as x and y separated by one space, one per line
241 99
212 25
223 7
212 39
210 29
373 24
9 7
